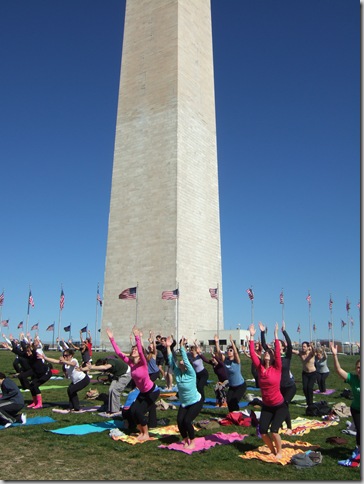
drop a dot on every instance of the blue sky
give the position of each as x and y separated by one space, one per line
287 86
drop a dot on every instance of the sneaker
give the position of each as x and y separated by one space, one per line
7 425
23 418
349 463
355 454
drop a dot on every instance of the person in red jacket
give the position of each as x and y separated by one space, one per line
274 408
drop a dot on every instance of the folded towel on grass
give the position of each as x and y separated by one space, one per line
288 450
205 443
168 430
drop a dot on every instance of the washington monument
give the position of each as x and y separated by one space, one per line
164 221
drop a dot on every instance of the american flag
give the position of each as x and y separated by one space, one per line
98 298
330 325
213 293
67 328
129 293
31 300
170 294
281 298
34 327
84 329
20 325
308 299
50 327
343 323
250 294
314 328
331 302
5 322
348 305
352 321
61 300
2 298
299 328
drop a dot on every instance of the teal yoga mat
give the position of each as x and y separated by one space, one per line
84 429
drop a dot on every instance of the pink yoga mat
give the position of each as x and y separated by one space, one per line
204 443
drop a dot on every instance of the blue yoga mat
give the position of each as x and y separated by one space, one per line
32 421
212 400
84 429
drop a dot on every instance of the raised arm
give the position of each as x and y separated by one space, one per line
218 349
253 355
116 347
235 350
289 349
263 328
342 373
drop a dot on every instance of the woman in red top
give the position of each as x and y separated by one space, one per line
274 409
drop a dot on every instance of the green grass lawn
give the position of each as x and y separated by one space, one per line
31 453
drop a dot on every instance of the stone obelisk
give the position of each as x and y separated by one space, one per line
164 221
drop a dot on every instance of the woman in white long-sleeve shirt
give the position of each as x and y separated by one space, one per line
79 379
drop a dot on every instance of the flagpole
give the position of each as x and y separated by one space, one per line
217 316
54 325
27 320
59 317
96 319
332 325
309 314
348 323
282 305
3 299
177 314
136 304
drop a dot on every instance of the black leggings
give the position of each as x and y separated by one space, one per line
144 403
272 417
234 395
72 392
186 416
201 381
321 380
288 394
308 382
356 418
37 381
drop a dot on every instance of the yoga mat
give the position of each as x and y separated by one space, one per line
47 387
84 429
208 405
31 421
131 439
131 397
205 443
302 425
84 409
168 430
329 391
288 450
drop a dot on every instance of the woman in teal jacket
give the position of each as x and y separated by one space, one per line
190 398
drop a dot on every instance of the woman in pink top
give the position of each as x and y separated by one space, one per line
274 409
149 392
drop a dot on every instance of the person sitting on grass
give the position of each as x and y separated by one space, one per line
79 379
11 402
191 400
149 392
274 408
354 381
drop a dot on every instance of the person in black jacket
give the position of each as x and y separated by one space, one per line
288 386
39 373
168 372
11 402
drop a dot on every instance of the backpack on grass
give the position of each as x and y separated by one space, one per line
318 409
